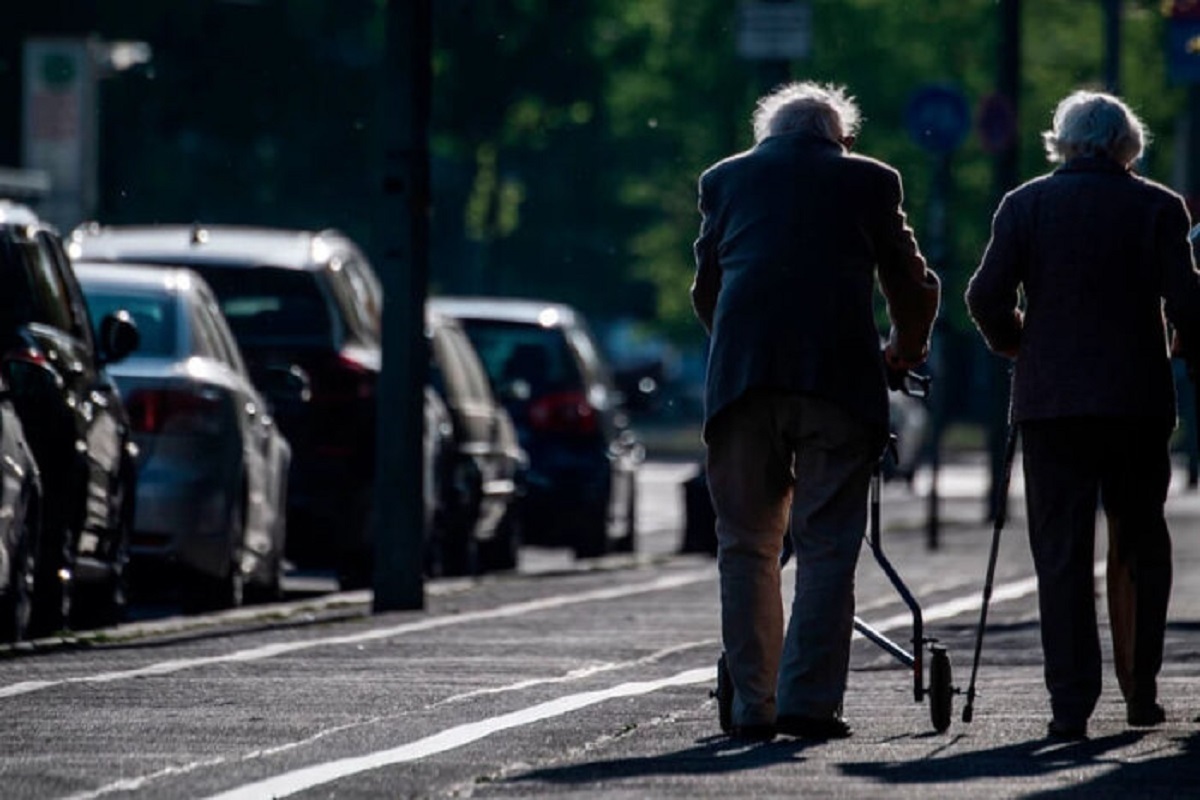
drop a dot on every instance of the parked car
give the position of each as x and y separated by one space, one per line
56 365
306 303
479 474
213 466
543 363
20 522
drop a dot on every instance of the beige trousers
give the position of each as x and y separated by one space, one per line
777 464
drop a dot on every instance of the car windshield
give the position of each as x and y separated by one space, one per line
270 304
154 315
512 351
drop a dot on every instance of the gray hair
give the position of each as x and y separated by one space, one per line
1095 124
823 109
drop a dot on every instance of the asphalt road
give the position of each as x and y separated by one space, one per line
585 680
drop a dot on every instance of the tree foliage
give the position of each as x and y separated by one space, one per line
568 137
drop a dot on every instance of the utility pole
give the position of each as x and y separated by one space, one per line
1112 46
1005 176
403 223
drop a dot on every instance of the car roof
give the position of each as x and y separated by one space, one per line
548 314
138 277
245 245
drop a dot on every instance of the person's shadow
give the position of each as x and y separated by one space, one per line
1169 775
710 756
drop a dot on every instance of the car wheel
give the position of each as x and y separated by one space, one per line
628 542
356 561
216 593
52 585
460 552
502 552
16 609
105 604
592 532
270 588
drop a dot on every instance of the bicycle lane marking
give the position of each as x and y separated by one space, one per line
283 648
292 782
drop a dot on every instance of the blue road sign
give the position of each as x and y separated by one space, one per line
938 117
1183 50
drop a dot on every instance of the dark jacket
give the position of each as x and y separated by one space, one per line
793 234
1098 253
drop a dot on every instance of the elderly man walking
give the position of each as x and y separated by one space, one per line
794 234
1097 253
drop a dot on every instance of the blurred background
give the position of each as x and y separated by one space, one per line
567 137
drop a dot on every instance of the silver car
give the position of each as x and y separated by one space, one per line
213 467
20 523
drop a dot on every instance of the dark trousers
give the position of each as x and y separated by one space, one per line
1123 463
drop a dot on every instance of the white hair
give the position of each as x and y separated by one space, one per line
1095 124
823 109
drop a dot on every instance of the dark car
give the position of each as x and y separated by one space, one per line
74 421
478 475
306 303
20 522
543 363
213 466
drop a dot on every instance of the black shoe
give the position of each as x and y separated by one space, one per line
820 728
1066 731
1145 715
753 733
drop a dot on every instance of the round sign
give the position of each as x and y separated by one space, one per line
938 118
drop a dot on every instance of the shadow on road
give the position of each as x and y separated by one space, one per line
1175 774
1167 774
711 756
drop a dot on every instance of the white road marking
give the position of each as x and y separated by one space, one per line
290 783
282 648
140 782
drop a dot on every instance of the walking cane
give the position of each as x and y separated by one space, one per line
1010 449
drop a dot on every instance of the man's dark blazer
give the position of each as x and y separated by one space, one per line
794 233
1098 252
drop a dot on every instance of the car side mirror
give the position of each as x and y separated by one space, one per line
118 336
281 384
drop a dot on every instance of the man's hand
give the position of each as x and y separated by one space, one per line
898 363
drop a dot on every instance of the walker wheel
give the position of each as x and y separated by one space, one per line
941 689
724 695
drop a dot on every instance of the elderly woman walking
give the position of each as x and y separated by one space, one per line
1097 253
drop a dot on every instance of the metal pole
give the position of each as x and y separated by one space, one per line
939 251
1112 46
1005 177
403 225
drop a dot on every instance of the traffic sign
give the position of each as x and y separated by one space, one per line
1183 50
938 117
779 31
